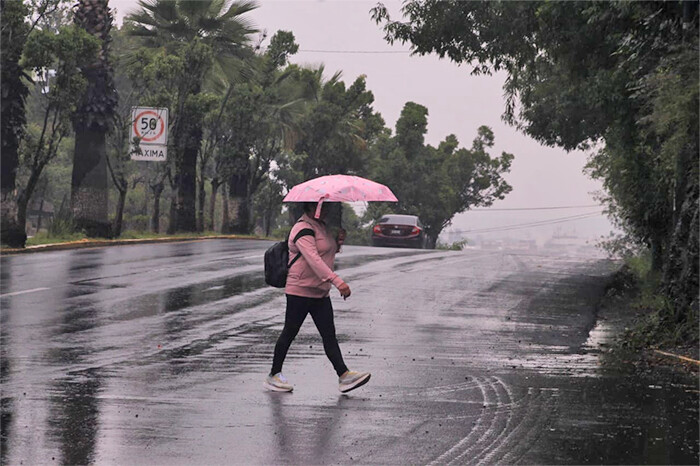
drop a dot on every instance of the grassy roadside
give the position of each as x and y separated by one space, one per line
655 335
44 242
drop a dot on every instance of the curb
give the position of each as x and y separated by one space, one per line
86 243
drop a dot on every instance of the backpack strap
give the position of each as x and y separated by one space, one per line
303 232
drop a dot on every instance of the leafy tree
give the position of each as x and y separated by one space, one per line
437 183
15 30
263 119
266 204
223 145
67 52
91 121
121 167
618 76
338 126
211 38
18 20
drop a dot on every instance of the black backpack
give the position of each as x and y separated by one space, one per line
277 263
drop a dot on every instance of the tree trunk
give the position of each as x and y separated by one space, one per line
186 181
200 204
120 213
91 121
172 221
657 255
146 200
11 231
238 197
225 220
432 240
38 220
155 220
89 183
24 198
212 203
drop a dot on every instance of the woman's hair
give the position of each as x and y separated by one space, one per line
310 207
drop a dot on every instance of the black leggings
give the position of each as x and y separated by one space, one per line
321 312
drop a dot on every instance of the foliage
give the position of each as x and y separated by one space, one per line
640 287
67 52
358 232
242 118
99 101
456 246
619 77
337 127
258 124
209 39
14 88
437 183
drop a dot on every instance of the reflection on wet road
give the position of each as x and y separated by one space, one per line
155 355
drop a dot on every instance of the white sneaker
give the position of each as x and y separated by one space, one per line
278 383
352 380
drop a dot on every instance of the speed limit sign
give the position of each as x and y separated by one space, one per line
149 133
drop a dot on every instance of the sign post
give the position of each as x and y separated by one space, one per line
149 126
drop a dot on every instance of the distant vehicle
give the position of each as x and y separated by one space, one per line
399 230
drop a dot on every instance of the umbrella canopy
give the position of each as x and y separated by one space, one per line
339 188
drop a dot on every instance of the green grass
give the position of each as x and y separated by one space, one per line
133 234
45 238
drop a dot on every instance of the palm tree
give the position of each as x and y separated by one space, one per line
212 37
91 122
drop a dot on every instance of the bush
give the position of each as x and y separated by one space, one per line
456 246
281 232
358 236
62 224
659 324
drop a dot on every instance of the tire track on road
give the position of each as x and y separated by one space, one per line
479 430
504 434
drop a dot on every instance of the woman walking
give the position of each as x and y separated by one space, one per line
308 286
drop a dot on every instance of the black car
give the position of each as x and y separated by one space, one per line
399 230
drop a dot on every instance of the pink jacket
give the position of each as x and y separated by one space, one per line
312 274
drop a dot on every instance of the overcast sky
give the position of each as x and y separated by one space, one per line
457 103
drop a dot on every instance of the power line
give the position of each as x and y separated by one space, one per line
540 223
533 225
536 208
356 51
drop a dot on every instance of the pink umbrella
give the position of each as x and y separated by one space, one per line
339 188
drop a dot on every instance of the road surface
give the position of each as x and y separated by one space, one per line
155 354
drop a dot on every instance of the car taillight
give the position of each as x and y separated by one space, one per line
377 229
415 231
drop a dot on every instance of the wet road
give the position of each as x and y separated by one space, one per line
155 354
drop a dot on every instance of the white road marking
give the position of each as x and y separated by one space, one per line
23 292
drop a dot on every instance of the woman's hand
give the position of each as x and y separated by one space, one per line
344 290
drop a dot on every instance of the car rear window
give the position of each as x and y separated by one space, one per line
399 219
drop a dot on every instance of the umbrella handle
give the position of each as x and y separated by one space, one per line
319 206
